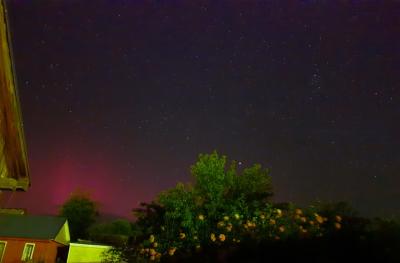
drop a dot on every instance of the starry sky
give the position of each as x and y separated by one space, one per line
119 97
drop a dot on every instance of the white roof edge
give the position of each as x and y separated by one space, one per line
89 245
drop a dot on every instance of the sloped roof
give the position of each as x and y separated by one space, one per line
33 227
14 170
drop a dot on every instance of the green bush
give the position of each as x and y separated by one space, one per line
222 206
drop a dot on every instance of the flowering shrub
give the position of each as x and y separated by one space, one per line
221 208
265 223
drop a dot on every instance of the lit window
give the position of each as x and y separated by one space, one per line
27 254
2 249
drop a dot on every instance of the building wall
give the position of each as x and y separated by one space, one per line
44 252
84 253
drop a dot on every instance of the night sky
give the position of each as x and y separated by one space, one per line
120 97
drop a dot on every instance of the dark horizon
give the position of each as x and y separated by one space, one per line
119 97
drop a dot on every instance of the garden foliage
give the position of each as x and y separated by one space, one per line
225 205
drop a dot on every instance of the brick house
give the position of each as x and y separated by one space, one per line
26 238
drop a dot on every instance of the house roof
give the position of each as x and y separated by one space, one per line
14 170
33 227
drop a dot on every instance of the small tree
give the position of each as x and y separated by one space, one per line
184 217
81 212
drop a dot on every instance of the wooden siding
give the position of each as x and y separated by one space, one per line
13 158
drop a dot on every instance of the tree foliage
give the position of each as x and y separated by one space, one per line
217 189
182 217
226 214
81 212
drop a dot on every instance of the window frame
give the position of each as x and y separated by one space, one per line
23 259
4 250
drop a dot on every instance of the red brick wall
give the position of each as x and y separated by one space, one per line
44 252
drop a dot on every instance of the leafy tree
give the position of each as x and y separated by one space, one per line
81 212
211 179
185 215
254 185
148 217
218 188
